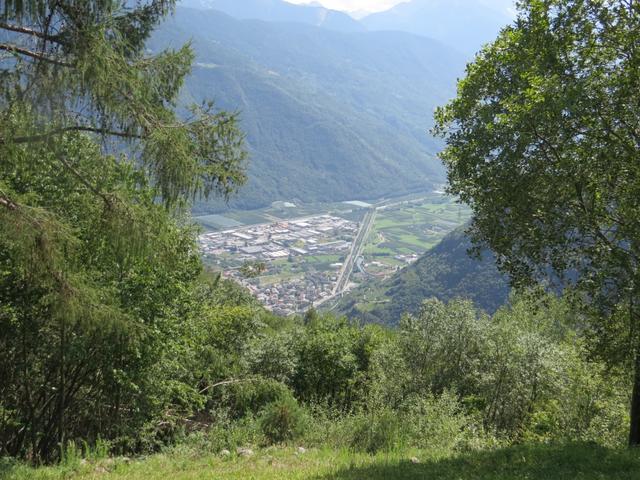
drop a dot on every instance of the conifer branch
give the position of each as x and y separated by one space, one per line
29 53
96 191
75 128
29 31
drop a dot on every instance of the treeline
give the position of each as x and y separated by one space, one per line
448 379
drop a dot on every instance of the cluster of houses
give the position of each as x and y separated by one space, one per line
286 240
296 295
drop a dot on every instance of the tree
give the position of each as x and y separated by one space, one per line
253 269
97 263
543 142
332 357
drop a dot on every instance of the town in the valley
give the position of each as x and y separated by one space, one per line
301 259
293 264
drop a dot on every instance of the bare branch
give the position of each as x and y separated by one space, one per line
227 382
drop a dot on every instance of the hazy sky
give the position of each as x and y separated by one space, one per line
379 5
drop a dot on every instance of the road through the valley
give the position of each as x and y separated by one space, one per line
354 252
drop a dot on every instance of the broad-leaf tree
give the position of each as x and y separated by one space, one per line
543 142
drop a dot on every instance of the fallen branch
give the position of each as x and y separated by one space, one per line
6 202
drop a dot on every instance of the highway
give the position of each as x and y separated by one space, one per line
354 252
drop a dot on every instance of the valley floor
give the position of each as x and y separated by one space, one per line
536 462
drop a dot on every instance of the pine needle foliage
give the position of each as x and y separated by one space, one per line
98 163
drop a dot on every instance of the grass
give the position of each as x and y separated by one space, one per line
533 462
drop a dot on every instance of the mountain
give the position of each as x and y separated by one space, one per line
463 24
329 116
445 272
280 11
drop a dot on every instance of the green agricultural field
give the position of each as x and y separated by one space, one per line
536 462
282 270
217 222
248 217
412 227
238 218
323 259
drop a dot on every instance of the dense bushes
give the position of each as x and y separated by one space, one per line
449 379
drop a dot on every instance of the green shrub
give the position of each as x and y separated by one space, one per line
252 396
434 423
224 433
379 431
326 426
590 406
273 356
221 430
282 420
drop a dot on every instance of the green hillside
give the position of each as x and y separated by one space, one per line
130 350
444 272
329 116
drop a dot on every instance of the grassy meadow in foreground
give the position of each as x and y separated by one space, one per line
536 462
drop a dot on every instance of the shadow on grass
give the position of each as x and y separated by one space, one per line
539 462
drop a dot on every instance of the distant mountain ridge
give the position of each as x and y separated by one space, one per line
280 11
444 272
329 115
463 24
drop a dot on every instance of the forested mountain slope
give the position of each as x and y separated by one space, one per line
445 272
329 116
462 24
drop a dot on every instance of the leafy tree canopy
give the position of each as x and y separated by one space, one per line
543 143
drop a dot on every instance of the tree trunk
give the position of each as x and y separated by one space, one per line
634 427
61 412
634 322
